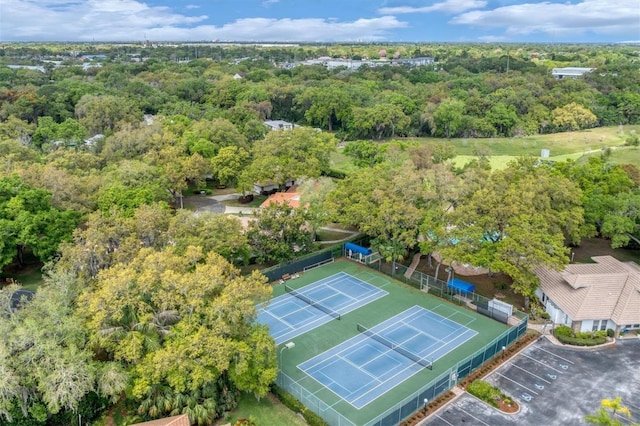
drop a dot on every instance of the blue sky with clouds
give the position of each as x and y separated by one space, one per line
551 21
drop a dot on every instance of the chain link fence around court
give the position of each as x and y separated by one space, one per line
482 305
414 402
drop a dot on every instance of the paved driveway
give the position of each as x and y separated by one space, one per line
555 385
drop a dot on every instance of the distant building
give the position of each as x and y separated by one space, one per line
94 140
569 72
414 62
27 67
278 125
352 64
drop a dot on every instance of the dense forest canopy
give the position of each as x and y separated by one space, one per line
100 144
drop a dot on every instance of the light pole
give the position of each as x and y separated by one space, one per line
426 401
503 349
288 345
450 271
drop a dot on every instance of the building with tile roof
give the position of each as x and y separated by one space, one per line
594 296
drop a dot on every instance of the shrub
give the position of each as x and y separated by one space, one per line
600 333
563 330
336 174
545 315
610 332
485 392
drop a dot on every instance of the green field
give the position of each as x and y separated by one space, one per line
400 298
561 146
266 412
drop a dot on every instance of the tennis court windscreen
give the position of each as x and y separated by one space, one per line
388 343
311 302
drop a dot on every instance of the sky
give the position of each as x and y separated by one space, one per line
550 21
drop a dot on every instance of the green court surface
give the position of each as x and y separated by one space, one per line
400 298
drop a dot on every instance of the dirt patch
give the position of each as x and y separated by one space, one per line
490 286
590 247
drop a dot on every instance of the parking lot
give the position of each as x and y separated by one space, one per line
555 385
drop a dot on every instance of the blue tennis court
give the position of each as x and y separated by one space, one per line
289 316
367 366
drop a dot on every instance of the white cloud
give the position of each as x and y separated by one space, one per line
131 20
312 29
620 17
85 20
449 6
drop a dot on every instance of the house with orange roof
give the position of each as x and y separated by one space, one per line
291 197
593 296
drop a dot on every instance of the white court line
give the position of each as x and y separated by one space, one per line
557 356
373 294
542 363
517 383
529 372
441 418
472 416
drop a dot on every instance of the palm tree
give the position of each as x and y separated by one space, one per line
606 414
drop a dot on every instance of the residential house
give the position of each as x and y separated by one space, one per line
278 125
593 296
270 187
291 197
569 72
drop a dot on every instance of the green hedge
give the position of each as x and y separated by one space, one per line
586 338
294 405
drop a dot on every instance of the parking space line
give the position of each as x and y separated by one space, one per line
519 384
473 417
557 356
542 363
534 375
438 416
623 419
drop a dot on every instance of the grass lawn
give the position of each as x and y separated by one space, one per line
561 146
30 276
590 247
557 143
329 235
342 163
269 411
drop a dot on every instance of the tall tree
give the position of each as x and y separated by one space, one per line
46 366
28 220
447 117
280 233
185 326
290 154
326 106
517 220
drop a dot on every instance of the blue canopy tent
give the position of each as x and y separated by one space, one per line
357 249
461 286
